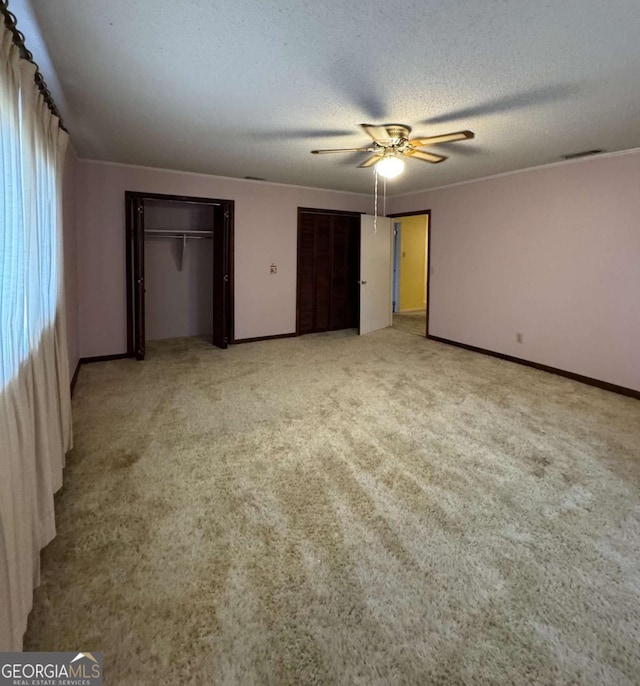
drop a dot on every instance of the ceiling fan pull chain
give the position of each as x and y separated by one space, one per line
375 201
384 197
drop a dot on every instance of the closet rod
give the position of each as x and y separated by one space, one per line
188 232
180 236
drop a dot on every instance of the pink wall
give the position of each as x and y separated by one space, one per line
70 255
265 232
552 253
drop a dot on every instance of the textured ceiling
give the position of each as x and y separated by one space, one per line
248 88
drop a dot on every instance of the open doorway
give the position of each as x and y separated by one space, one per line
343 271
411 271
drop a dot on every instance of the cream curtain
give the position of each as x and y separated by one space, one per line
35 414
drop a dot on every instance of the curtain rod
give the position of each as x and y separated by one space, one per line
11 23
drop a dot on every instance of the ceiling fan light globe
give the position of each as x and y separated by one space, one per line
390 167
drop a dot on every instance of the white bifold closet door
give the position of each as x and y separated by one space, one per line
376 260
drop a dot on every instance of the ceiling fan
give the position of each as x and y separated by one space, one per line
391 141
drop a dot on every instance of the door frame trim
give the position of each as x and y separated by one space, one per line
129 197
414 214
317 210
395 274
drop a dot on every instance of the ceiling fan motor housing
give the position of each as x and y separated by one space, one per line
398 132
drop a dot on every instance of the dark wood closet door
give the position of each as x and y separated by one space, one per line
137 222
328 268
346 269
306 273
221 275
323 267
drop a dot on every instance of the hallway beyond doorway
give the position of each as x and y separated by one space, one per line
411 322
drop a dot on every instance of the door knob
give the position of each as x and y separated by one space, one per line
362 283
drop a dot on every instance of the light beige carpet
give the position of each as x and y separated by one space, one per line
335 509
411 322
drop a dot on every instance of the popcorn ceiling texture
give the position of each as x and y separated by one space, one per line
335 509
249 88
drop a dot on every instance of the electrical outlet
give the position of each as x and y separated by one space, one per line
274 268
519 338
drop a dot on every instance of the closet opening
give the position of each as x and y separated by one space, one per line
179 269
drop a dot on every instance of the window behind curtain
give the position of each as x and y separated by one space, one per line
35 419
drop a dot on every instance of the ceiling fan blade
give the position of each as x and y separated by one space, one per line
379 134
444 138
370 161
426 156
326 152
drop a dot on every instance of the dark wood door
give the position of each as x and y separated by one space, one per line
221 275
137 221
345 272
328 269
